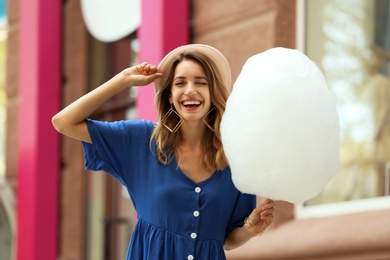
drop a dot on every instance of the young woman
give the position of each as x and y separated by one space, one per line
175 171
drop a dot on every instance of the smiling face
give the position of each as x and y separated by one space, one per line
190 93
195 78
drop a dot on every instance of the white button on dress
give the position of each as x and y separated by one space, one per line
196 213
197 189
190 257
193 235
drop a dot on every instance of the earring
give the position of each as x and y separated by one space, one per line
165 118
205 120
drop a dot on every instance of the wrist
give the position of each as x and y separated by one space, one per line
122 80
251 227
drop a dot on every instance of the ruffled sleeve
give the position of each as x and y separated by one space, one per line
117 146
244 206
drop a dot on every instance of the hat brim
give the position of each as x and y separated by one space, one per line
215 55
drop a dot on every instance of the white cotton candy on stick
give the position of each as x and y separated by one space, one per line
280 130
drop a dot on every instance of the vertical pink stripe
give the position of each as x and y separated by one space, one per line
164 26
38 143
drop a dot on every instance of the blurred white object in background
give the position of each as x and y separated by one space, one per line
111 20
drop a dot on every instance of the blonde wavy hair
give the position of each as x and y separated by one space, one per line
214 156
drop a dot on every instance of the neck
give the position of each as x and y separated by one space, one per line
192 134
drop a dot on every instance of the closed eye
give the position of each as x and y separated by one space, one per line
201 83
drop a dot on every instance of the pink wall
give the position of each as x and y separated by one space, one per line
39 92
164 26
38 143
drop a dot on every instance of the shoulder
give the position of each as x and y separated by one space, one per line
227 171
141 125
122 125
120 132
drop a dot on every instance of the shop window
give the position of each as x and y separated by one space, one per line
350 42
110 213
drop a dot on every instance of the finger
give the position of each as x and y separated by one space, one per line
267 212
267 215
262 225
149 68
141 67
269 220
153 69
154 76
268 205
262 210
268 201
256 218
146 68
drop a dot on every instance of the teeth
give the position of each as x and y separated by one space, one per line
191 102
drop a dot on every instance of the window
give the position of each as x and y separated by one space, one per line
110 213
350 41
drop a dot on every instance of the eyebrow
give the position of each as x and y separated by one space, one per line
198 77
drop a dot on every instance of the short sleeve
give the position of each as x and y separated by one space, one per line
243 208
116 146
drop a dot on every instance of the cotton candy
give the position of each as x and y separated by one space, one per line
280 130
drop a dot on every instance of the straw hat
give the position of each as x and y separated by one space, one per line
215 55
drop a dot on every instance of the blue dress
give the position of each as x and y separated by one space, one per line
177 217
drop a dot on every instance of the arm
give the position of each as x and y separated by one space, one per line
71 120
260 218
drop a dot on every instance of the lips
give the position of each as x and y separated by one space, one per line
191 103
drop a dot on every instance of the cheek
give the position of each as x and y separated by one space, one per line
208 97
175 93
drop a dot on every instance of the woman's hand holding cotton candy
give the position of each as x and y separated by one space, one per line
280 130
260 218
140 75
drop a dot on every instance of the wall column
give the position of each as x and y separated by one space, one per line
38 142
164 26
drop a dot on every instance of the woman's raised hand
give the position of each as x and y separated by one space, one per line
141 74
70 121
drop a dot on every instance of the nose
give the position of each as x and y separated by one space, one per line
190 89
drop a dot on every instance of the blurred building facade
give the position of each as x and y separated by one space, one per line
64 212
